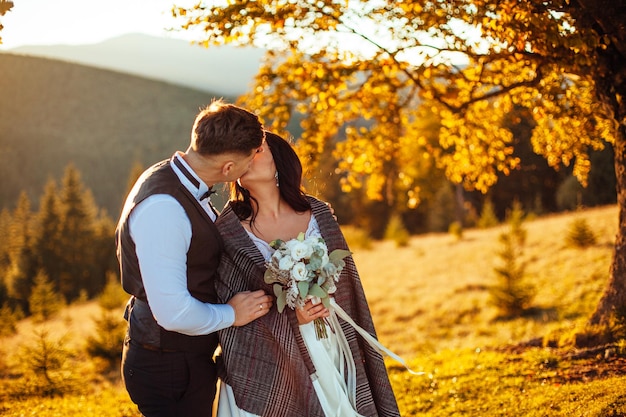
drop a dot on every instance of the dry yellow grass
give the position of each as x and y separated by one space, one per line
75 322
432 295
429 301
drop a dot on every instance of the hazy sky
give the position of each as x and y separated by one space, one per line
46 22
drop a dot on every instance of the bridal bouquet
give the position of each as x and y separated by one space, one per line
302 269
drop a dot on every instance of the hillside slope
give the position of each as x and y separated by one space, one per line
53 113
432 295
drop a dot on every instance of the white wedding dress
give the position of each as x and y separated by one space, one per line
329 357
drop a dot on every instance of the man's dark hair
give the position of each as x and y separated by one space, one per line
223 128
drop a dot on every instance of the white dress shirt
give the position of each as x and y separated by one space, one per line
161 231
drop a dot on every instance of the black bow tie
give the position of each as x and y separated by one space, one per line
207 194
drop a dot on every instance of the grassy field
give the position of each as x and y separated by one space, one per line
433 294
430 303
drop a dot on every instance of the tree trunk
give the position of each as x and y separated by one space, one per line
613 301
608 19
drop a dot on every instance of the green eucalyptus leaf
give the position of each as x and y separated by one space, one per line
326 301
278 289
338 254
303 288
317 291
281 301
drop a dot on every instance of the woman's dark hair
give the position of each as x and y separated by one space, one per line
289 170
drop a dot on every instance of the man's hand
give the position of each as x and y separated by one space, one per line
249 306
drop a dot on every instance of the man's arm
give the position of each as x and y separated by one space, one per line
161 231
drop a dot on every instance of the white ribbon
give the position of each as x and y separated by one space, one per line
368 337
346 353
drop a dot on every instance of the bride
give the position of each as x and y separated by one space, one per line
276 366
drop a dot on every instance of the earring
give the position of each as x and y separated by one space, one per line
276 176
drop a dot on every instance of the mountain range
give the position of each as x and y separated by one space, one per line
105 123
105 108
227 70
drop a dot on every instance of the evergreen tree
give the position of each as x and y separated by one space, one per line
397 232
580 234
108 339
21 271
47 240
442 209
76 228
103 252
44 301
488 216
512 295
8 320
47 364
19 227
5 222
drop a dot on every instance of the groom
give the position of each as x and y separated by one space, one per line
169 250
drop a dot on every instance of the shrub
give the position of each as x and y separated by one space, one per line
488 216
456 230
580 234
512 295
397 232
47 368
8 320
44 301
110 327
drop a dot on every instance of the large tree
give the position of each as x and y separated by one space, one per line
361 70
5 6
77 223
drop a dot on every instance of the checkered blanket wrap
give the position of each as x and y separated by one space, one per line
266 362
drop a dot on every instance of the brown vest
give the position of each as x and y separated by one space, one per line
202 261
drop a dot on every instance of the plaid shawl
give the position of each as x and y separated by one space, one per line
266 362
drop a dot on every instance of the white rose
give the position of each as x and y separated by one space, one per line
286 249
312 241
299 272
322 244
285 263
300 250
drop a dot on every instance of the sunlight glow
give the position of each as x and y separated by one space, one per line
74 22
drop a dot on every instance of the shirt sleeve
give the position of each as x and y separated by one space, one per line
161 231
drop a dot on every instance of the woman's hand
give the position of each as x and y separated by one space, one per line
310 312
